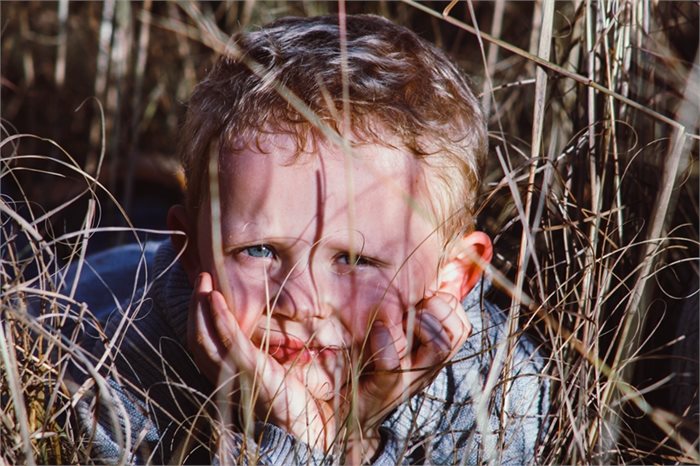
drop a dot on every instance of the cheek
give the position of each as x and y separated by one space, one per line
417 279
388 299
370 300
246 297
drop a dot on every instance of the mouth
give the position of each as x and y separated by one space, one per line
288 349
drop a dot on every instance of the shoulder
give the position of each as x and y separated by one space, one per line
504 357
461 412
149 378
108 278
512 384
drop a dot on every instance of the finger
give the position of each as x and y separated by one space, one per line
457 314
201 339
434 345
241 356
225 354
199 297
384 354
281 397
241 352
394 324
237 346
377 392
448 310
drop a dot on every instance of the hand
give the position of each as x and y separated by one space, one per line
440 329
224 353
392 372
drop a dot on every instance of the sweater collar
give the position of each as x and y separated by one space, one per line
172 291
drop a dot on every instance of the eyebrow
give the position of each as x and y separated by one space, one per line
280 242
235 229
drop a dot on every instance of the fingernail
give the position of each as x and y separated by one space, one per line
212 305
379 326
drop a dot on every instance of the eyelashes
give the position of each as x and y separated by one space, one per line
259 251
355 260
340 255
345 261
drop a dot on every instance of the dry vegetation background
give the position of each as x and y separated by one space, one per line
591 195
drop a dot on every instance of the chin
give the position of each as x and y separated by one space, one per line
324 373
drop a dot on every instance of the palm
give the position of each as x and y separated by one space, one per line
390 371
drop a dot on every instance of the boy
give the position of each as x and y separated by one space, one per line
329 247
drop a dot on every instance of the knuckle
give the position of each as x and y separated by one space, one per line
468 329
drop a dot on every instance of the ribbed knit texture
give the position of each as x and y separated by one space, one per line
161 390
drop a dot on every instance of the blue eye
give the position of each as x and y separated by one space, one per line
260 251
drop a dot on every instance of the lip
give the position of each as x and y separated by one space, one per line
288 349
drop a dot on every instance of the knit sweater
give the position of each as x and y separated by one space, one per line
153 404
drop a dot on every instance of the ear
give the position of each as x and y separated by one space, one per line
179 220
466 261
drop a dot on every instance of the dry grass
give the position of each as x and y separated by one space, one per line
591 193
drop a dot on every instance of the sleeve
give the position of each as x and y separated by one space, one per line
460 417
140 397
279 447
141 406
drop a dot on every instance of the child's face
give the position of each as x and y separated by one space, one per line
289 233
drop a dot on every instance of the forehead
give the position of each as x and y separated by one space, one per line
279 155
377 182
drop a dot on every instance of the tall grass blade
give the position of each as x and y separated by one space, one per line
101 77
62 50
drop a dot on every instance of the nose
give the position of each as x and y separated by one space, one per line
300 297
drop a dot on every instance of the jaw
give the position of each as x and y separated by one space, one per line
323 373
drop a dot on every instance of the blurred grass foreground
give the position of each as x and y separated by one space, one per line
591 196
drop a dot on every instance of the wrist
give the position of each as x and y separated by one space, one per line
361 448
